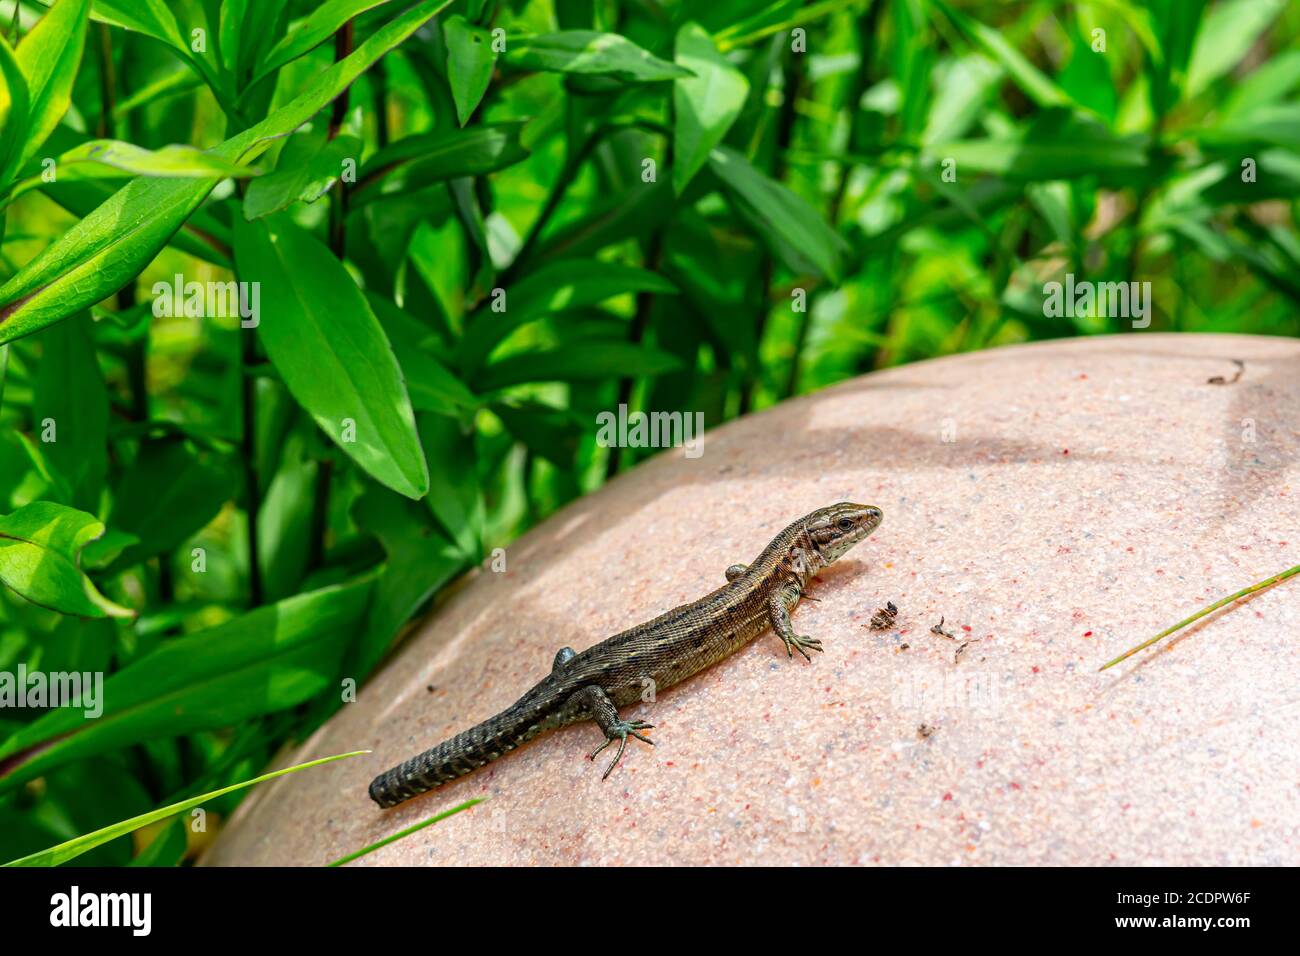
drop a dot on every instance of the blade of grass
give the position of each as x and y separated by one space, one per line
1267 582
407 832
71 849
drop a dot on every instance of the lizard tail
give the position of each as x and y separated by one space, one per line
458 756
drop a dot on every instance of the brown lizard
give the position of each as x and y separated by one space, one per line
659 653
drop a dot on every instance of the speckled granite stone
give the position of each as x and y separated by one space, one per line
1092 492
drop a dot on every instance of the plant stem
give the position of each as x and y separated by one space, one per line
379 95
248 451
1268 582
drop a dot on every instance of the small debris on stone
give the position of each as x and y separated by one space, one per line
1220 380
884 617
938 629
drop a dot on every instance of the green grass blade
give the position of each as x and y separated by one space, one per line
407 832
73 848
1267 582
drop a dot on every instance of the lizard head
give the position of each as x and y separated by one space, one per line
835 529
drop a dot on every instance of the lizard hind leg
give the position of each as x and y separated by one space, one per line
594 701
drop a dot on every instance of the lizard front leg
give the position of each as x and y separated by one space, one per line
595 701
778 609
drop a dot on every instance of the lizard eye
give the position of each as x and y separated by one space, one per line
846 524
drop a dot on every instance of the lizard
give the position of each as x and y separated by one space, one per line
661 652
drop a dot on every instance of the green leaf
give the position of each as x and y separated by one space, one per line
1229 31
418 161
306 171
71 849
1056 145
795 230
70 394
965 83
432 385
470 61
405 832
284 521
168 494
705 105
247 30
166 849
270 659
49 56
630 213
1175 24
202 235
551 433
110 246
314 29
331 351
1267 85
150 17
14 112
455 497
1086 78
590 360
590 53
555 287
170 162
40 546
1277 124
420 561
1036 84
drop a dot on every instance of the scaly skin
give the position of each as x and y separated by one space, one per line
659 653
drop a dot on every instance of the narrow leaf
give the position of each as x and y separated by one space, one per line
317 27
794 229
171 162
418 161
554 287
71 849
49 56
588 52
436 818
470 61
575 362
70 395
331 351
14 110
705 105
306 171
1036 84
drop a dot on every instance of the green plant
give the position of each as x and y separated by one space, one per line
462 231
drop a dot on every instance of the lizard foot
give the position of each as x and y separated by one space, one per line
796 642
619 731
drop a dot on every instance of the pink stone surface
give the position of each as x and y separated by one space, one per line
1094 492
